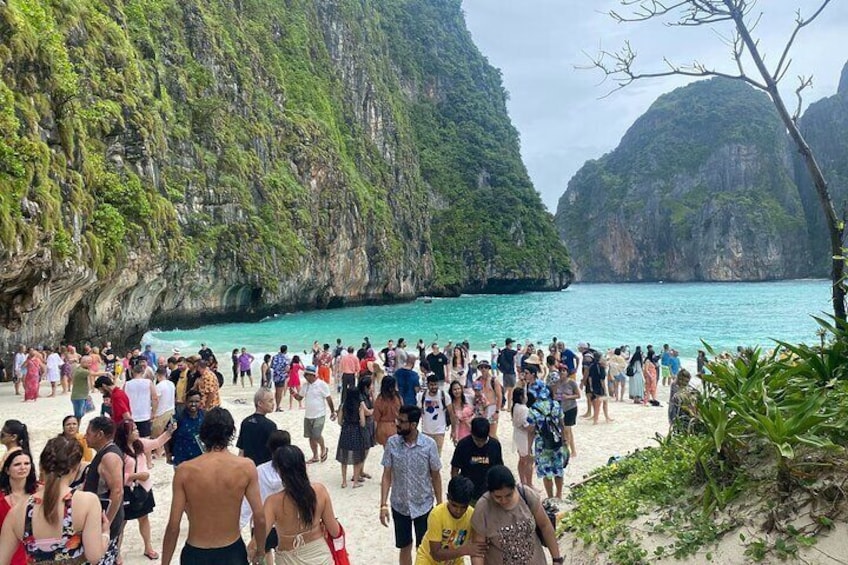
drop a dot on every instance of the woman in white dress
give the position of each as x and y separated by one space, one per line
521 437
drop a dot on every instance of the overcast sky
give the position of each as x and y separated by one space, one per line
557 108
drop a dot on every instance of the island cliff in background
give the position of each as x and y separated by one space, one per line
171 162
705 187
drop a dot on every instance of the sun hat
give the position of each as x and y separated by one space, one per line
533 360
484 363
310 370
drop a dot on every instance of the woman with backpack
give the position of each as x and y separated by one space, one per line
545 417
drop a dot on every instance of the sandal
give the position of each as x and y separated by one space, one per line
365 475
356 484
324 455
153 556
313 460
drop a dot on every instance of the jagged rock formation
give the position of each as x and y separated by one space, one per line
176 161
701 187
825 127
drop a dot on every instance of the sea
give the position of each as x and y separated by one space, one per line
684 315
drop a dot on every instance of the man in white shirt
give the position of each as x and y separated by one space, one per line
166 394
143 400
316 393
18 369
434 411
54 363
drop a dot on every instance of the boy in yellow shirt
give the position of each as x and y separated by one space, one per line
448 537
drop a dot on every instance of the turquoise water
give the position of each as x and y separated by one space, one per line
605 315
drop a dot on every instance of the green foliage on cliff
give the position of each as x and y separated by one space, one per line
706 164
197 130
488 214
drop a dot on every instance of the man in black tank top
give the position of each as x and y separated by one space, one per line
105 478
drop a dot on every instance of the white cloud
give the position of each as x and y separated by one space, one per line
557 108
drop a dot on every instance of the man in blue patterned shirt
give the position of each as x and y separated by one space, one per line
411 467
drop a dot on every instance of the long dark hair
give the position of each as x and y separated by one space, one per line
18 428
463 400
517 398
122 440
388 388
59 457
289 462
637 356
31 484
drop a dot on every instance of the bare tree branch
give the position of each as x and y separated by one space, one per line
804 82
800 23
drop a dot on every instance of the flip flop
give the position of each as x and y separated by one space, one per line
153 556
324 455
365 475
313 460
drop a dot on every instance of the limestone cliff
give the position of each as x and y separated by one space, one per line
700 188
179 161
825 127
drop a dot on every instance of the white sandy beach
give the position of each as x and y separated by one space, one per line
357 509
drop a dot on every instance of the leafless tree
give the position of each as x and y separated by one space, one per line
741 17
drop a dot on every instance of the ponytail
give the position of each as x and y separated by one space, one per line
18 429
60 456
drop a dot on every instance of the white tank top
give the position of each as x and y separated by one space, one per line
138 391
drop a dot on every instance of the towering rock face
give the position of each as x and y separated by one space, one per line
179 161
825 127
700 188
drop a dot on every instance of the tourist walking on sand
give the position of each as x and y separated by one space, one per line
566 391
408 381
506 366
448 537
119 401
349 367
386 408
17 483
137 454
649 372
185 445
355 438
551 456
411 466
597 383
437 364
269 483
82 379
265 373
434 411
636 381
68 522
208 385
70 429
301 513
54 367
234 358
317 395
506 519
493 392
209 490
165 403
280 372
522 440
18 370
388 355
255 430
105 478
143 400
14 437
325 364
475 455
293 383
33 371
460 412
245 360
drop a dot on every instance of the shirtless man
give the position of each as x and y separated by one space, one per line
214 535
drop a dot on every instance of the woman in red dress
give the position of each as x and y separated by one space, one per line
34 367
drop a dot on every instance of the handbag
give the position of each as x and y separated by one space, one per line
338 546
135 495
89 404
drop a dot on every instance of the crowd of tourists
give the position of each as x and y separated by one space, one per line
76 502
